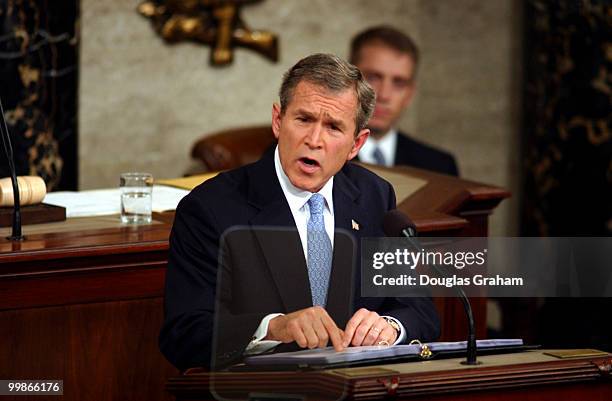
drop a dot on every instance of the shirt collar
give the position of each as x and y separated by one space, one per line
297 197
387 145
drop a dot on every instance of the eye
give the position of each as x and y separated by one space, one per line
372 78
400 83
334 128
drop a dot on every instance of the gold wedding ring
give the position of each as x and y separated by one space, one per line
383 342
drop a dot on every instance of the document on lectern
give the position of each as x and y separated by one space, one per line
328 356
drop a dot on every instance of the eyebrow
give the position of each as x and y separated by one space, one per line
395 78
328 119
402 80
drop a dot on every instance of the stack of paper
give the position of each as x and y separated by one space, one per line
102 202
325 356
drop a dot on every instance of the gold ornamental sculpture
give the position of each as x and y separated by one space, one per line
213 22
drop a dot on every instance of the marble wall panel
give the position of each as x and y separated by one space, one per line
143 103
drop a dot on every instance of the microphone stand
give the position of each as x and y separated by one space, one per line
8 150
410 233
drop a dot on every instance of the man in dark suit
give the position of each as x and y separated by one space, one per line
281 287
388 59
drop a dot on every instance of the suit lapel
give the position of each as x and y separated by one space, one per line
279 240
402 148
346 211
346 208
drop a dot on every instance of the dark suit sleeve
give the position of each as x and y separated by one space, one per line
194 290
418 316
186 335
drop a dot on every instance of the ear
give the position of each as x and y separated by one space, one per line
360 139
276 119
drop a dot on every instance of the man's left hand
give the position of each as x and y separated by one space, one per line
368 328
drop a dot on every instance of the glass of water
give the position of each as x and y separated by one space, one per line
136 197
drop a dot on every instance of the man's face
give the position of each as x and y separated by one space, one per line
316 134
390 73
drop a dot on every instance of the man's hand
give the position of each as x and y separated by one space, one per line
309 328
368 328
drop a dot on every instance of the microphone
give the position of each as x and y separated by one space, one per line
397 224
8 150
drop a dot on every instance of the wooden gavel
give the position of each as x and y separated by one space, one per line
32 190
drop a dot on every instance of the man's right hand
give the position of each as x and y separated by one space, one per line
309 328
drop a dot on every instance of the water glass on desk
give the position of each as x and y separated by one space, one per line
136 197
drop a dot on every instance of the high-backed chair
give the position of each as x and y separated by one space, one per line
232 148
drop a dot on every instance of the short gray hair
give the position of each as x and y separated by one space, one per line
334 74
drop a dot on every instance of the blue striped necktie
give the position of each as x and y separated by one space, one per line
319 251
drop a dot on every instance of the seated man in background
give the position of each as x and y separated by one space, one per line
389 59
307 185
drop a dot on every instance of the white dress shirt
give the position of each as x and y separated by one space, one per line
387 145
298 203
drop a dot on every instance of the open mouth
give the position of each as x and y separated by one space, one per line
309 164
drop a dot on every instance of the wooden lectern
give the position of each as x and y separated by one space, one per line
530 375
81 300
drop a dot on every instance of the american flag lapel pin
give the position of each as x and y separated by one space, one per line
354 225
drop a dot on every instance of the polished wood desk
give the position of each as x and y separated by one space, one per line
85 306
82 301
530 375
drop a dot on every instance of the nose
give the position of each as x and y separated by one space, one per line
383 91
314 136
